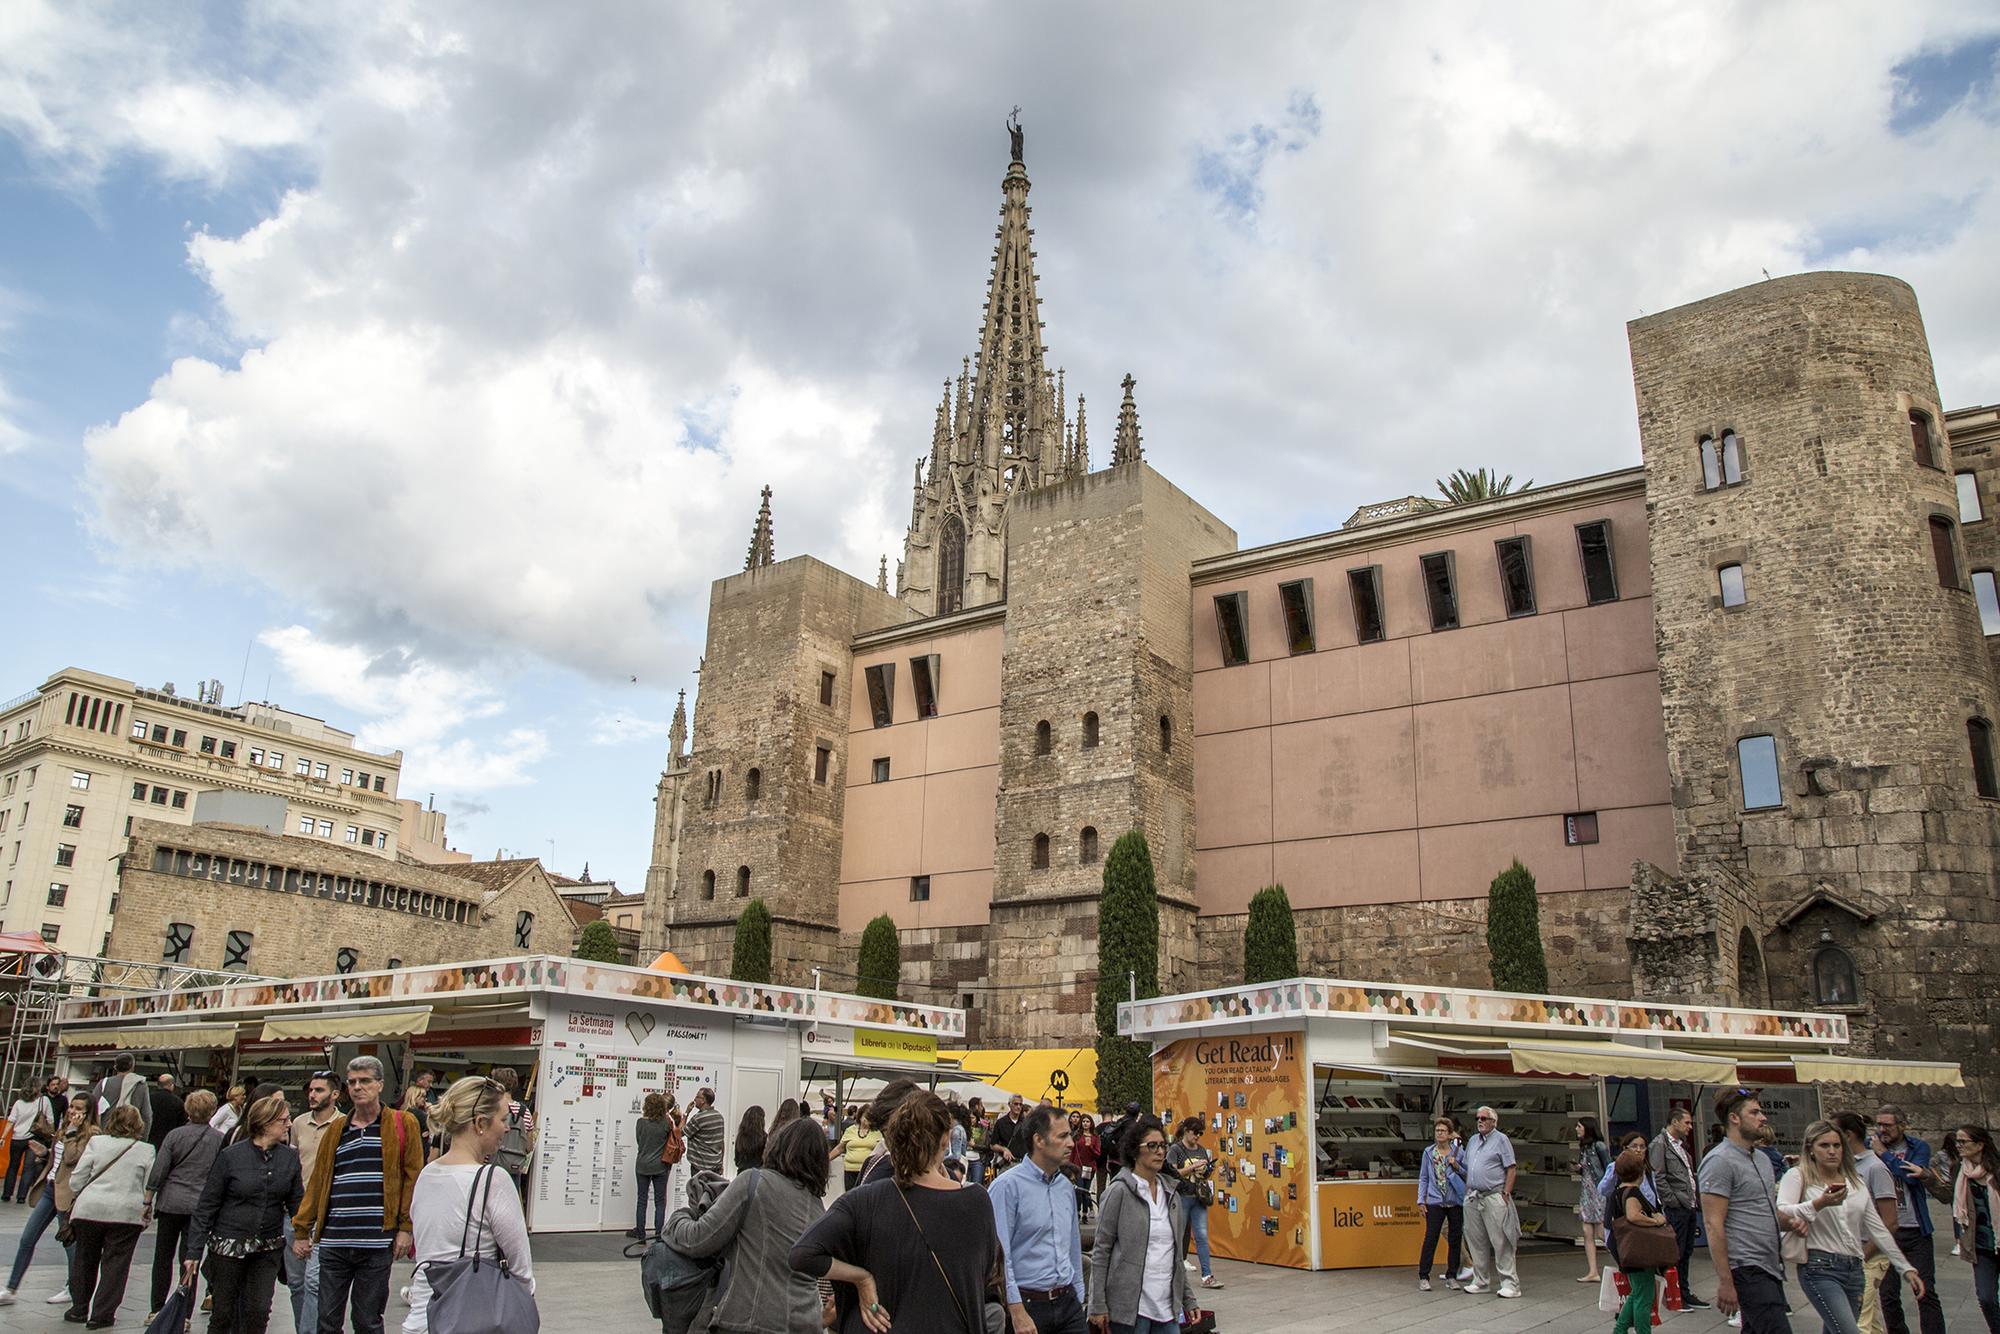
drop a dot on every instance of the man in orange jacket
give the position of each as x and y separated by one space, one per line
357 1205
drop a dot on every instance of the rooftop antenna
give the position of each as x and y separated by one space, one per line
240 680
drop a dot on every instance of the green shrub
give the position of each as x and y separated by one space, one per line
1128 952
1514 933
1270 945
881 961
750 957
597 942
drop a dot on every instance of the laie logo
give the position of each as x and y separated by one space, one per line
1384 1211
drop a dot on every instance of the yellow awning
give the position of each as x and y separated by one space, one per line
349 1024
1864 1070
1031 1072
1622 1059
152 1039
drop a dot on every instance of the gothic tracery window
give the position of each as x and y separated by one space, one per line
951 565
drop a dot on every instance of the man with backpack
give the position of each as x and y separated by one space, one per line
123 1088
517 1146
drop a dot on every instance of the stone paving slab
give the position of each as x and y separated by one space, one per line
584 1283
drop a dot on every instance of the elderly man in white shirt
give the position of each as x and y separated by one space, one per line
1490 1235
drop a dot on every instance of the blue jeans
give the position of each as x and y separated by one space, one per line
38 1222
1198 1232
1144 1325
1833 1285
302 1277
656 1186
1986 1285
22 1166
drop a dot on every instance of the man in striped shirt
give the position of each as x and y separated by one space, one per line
357 1204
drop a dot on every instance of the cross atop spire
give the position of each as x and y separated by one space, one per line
760 536
1125 446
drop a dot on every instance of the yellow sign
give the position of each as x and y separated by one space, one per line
882 1044
1369 1224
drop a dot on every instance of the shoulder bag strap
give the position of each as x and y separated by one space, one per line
904 1196
100 1172
478 1204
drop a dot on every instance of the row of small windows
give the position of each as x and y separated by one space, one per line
160 796
1757 767
1086 849
158 734
312 884
882 688
1514 559
742 883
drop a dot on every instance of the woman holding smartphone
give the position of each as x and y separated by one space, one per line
1824 1191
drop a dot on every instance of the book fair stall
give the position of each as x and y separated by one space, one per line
590 1040
1318 1097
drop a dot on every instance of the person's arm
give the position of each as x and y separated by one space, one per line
1000 1195
1638 1214
1507 1157
1714 1215
206 1209
412 1149
718 1225
509 1227
163 1166
1103 1247
313 1203
86 1169
818 1254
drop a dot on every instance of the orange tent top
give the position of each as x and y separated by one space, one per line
668 962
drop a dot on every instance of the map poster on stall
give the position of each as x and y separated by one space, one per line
1251 1094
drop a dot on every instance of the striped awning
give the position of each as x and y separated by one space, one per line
349 1024
169 1038
1867 1070
1620 1059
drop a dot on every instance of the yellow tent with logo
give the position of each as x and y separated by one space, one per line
1066 1076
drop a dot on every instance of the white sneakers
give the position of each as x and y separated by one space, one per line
1423 1285
1509 1290
1506 1289
1476 1286
61 1298
6 1296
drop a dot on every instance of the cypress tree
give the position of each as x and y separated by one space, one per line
1270 946
881 960
750 958
1128 947
1514 932
597 942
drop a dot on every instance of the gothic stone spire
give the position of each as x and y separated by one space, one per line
677 731
1010 406
882 574
1125 446
760 536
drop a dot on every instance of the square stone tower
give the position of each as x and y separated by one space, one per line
1096 733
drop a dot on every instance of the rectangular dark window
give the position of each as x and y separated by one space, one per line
1517 575
1600 576
1297 600
159 734
208 745
229 750
1757 766
180 738
1580 828
1921 444
920 889
1944 553
1364 588
881 769
882 693
1441 590
822 760
1232 622
72 817
1981 736
826 687
924 683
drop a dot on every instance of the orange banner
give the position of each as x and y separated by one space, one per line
1251 1094
1370 1225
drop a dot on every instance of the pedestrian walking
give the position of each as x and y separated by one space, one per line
253 1187
651 1171
50 1199
107 1213
1975 1209
1879 1186
123 1087
1671 1158
231 1111
887 1100
960 1139
1825 1193
1491 1229
1908 1159
169 1110
748 1151
755 1223
1086 1155
1193 1168
855 1146
443 1212
1001 1150
1441 1192
356 1209
1739 1214
1592 1161
517 1146
703 1130
173 1190
23 1163
1137 1281
918 1246
307 1133
1631 1206
1041 1239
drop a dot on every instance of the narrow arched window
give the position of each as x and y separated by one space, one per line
1044 738
1833 977
1086 846
1980 733
1166 734
708 884
1041 852
950 565
1089 730
742 882
753 784
1711 464
1732 459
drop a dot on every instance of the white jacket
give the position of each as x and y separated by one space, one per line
109 1182
1840 1228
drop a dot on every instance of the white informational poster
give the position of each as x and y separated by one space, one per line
599 1061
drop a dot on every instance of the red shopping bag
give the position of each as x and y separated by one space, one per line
1670 1294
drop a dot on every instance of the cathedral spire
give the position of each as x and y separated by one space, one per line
1082 443
1125 446
882 574
677 732
760 536
1009 401
941 432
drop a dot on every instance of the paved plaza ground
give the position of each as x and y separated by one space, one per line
585 1284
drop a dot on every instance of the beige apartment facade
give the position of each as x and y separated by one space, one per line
1733 707
84 756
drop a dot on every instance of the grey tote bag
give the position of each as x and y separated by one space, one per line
475 1294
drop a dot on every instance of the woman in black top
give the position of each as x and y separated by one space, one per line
750 1140
252 1189
920 1243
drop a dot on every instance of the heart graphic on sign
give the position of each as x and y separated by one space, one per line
639 1025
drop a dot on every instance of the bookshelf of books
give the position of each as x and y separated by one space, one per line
1540 1118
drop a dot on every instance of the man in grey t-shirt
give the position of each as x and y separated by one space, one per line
1740 1215
1490 1234
1881 1187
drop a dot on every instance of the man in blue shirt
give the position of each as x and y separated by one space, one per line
1490 1225
1909 1162
1034 1211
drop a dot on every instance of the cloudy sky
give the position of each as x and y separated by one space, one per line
418 365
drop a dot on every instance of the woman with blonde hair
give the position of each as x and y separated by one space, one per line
1824 1191
231 1111
253 1188
106 1215
473 1117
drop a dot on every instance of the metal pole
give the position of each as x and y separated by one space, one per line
1132 981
